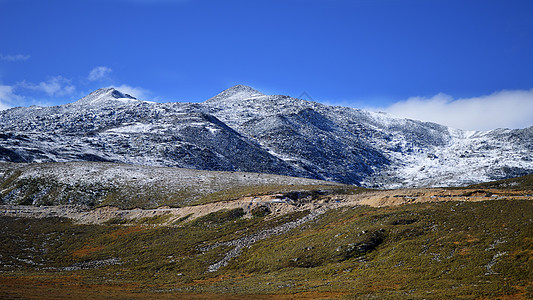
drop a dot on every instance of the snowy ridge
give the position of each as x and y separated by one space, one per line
236 93
241 129
101 96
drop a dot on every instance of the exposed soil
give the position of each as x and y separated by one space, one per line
279 204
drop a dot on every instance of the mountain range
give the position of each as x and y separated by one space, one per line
242 129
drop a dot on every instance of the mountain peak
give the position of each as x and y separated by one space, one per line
237 92
111 92
241 88
103 95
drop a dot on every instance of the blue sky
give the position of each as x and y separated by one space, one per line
427 59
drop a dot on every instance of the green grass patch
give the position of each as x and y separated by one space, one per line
182 219
467 250
260 211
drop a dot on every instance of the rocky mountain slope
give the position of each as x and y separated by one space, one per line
242 129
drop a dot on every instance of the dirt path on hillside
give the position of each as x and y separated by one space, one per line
278 204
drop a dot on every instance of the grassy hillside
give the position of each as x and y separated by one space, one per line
519 183
469 250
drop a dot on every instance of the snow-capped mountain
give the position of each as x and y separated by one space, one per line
242 129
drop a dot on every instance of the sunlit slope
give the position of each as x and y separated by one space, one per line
129 186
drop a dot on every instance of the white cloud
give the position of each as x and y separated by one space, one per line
504 109
16 57
8 98
99 73
136 92
55 86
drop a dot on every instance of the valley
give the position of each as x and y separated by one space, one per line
471 243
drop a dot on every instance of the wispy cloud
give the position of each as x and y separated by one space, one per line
3 106
8 98
136 92
16 57
55 86
504 109
99 73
